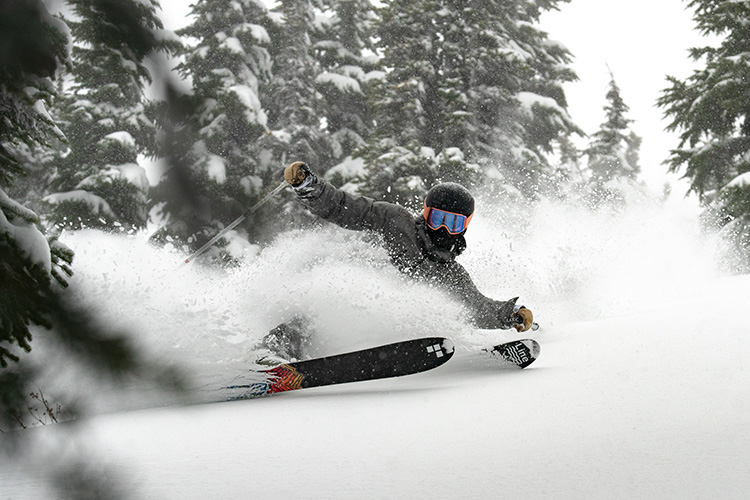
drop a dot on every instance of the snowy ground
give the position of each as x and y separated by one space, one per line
642 389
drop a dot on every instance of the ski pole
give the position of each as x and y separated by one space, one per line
234 224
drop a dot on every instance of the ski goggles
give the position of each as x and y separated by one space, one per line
453 223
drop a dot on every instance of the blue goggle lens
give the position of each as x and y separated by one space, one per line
454 223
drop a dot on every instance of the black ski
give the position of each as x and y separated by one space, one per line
391 360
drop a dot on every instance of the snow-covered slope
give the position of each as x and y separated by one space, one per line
641 391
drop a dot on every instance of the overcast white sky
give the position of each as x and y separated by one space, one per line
641 41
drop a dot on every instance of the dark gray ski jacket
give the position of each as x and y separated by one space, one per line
408 244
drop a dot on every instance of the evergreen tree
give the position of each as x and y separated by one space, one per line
412 100
98 181
221 124
295 111
33 46
633 153
533 70
344 83
711 110
613 152
568 169
473 91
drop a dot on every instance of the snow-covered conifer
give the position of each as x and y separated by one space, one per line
34 47
227 61
295 110
711 110
473 92
567 170
343 46
98 181
613 151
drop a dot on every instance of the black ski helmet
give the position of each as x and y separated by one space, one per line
451 197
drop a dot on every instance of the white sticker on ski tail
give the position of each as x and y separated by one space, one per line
447 346
441 350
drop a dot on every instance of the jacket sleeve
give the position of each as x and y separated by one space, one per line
347 210
485 312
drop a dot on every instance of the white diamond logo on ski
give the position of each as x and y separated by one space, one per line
441 350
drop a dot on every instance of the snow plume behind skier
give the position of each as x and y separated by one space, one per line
423 247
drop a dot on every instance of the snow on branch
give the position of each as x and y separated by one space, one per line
121 137
740 181
19 224
97 204
341 82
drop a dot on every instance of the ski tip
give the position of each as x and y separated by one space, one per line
533 346
520 353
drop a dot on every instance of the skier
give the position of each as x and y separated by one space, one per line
424 247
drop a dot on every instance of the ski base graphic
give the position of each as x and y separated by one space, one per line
391 360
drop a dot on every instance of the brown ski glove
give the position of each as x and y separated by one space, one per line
525 319
296 173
